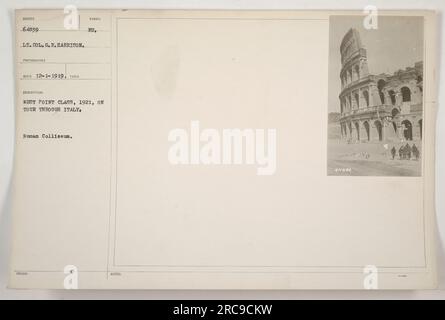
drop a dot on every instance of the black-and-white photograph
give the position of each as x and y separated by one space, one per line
375 105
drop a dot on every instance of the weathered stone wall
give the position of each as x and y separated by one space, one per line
378 107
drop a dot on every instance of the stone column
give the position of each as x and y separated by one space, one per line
348 132
373 134
398 98
374 98
363 134
389 134
357 135
417 133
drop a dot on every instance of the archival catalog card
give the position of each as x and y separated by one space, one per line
224 150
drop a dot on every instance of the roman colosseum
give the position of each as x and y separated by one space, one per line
384 107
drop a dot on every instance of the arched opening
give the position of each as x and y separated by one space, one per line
380 85
357 129
394 112
392 96
366 96
378 127
350 129
357 101
366 125
350 103
406 94
407 130
420 128
357 72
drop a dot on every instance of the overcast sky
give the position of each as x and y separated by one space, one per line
396 44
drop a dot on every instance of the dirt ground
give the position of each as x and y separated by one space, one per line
371 159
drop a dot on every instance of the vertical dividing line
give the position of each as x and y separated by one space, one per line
116 137
111 145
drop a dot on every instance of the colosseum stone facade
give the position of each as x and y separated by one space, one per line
384 107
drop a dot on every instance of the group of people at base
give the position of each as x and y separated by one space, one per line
406 152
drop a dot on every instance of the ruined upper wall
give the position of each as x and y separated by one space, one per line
353 59
351 46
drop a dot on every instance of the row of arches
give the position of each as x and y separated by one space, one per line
405 93
361 98
352 129
353 102
370 132
350 75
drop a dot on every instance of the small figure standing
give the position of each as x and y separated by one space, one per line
401 153
416 152
408 151
393 152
